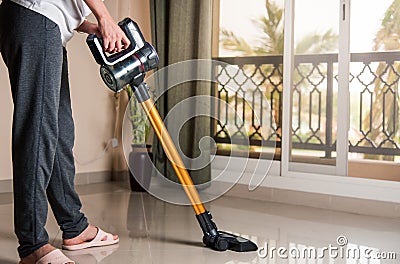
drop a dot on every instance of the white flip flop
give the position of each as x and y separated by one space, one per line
54 257
96 242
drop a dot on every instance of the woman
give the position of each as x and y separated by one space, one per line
33 36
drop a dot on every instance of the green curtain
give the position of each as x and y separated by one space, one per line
182 30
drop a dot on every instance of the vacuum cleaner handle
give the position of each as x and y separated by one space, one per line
133 33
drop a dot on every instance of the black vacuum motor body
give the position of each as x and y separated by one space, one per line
128 66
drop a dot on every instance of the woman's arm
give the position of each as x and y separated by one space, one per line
89 28
114 38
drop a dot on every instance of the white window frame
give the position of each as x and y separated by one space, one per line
336 182
295 177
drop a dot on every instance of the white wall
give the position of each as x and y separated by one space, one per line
92 103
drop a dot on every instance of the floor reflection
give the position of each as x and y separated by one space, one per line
91 255
152 231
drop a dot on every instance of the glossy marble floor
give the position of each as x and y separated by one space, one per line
152 231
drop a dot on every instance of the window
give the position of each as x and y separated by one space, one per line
249 35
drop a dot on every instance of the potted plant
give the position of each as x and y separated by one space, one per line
140 158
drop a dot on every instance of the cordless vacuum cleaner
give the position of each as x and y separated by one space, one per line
130 67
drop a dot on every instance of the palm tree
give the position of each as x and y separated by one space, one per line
272 34
272 43
387 82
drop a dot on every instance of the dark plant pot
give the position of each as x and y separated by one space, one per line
140 168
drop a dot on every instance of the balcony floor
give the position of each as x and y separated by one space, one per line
152 231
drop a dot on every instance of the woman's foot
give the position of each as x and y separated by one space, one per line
87 235
38 254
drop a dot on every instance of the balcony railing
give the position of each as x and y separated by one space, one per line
374 102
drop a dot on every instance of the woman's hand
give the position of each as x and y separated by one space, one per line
114 39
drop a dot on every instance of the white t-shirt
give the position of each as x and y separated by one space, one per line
67 14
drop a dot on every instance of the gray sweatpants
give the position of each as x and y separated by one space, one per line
43 129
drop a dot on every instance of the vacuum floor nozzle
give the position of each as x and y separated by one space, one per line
221 240
226 241
237 243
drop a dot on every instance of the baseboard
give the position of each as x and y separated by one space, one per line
120 176
6 186
80 179
321 201
93 177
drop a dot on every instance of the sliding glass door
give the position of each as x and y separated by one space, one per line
374 135
315 90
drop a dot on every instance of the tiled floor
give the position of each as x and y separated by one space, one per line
152 231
